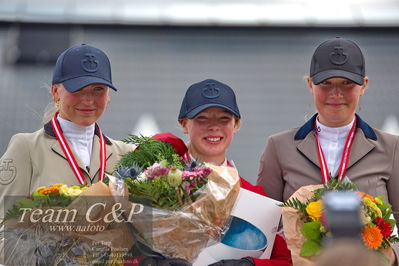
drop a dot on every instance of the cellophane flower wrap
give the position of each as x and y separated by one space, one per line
305 225
184 206
65 225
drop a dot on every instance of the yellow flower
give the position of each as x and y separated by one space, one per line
372 236
74 192
71 191
367 201
40 189
314 209
63 189
378 201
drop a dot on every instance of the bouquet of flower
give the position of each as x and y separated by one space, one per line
305 225
64 225
184 205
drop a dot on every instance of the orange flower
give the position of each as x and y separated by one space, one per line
372 236
50 190
365 195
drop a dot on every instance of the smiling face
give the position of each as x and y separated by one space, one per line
211 133
336 100
83 107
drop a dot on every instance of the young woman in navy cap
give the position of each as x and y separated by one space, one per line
335 141
71 148
209 115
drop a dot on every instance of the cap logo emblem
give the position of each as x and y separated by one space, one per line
210 91
338 57
89 63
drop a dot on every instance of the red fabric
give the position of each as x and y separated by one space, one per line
176 142
248 186
281 255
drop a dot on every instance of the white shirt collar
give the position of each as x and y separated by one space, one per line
333 132
81 138
332 141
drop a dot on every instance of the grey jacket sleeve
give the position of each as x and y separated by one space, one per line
270 175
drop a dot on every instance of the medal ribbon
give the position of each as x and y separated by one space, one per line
69 155
325 175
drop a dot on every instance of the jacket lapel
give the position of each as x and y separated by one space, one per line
95 157
56 147
307 147
360 147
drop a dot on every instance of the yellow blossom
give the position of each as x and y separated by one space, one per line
376 210
71 191
378 201
314 209
367 201
39 189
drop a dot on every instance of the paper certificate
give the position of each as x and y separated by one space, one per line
253 228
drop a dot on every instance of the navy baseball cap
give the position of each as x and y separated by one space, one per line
338 58
82 65
206 94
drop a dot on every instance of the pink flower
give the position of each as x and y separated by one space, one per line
155 171
189 175
187 187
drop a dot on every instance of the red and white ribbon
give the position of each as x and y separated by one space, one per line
325 175
69 155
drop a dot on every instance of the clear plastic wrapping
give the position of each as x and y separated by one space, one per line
184 232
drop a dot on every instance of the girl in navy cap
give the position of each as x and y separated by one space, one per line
209 115
71 148
335 141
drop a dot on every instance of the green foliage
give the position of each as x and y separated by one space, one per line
148 152
311 230
309 248
156 194
333 185
294 203
37 201
312 245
